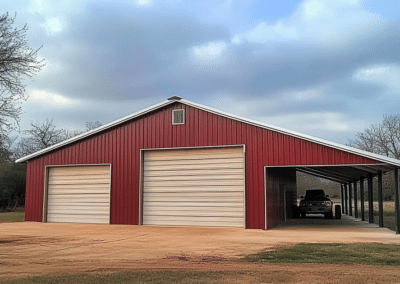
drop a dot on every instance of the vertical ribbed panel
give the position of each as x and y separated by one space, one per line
121 146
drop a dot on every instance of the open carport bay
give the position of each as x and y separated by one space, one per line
30 248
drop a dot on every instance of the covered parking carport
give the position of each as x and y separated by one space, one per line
352 177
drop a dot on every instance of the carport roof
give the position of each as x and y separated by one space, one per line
341 173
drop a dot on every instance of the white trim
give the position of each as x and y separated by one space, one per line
265 197
337 146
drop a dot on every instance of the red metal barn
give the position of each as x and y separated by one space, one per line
180 163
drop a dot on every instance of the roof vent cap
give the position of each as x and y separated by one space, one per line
174 98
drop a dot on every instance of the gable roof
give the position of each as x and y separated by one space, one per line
380 158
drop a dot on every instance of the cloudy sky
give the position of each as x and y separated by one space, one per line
327 68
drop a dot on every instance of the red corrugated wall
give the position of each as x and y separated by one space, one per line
121 146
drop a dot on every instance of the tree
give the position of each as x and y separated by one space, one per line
17 60
44 134
382 138
92 125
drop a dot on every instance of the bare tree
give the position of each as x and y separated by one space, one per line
17 60
382 138
92 125
45 134
41 135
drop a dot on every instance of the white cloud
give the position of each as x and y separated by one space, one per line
305 95
209 51
387 75
143 2
310 121
52 25
51 99
211 54
264 33
330 24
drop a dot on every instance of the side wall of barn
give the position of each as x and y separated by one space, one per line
281 193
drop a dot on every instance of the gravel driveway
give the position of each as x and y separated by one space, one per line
39 248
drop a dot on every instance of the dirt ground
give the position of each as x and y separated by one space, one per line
31 248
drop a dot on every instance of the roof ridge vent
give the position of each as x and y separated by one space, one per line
174 98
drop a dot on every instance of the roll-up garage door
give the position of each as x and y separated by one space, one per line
202 187
79 194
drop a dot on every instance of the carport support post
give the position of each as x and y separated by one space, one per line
362 198
355 200
345 199
342 197
350 205
380 199
370 200
396 201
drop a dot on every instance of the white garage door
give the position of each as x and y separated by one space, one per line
203 187
79 194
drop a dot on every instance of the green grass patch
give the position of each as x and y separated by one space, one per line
389 218
141 276
370 254
12 217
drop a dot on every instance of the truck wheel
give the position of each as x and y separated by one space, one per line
338 212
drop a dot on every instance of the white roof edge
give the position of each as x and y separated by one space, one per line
323 142
299 135
94 131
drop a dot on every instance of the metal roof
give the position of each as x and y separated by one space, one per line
346 173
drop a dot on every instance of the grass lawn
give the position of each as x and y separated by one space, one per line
370 254
12 217
146 276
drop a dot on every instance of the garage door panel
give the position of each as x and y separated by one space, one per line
60 218
194 221
78 210
80 181
205 166
86 204
159 209
200 177
167 189
79 194
91 199
79 170
169 173
195 194
189 203
83 177
221 199
199 183
91 190
82 186
211 160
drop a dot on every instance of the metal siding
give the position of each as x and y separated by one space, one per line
200 129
